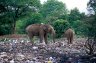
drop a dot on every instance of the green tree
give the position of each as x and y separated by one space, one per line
5 24
91 22
18 8
53 9
79 27
75 15
60 26
92 5
75 18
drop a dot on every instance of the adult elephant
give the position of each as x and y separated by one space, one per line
40 30
69 34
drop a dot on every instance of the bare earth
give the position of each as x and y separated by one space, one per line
18 49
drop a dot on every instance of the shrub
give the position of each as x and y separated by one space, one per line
60 26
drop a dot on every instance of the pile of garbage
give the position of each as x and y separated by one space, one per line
22 51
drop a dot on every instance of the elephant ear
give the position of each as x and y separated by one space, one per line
45 28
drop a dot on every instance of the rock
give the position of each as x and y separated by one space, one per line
12 61
34 47
49 61
3 54
20 56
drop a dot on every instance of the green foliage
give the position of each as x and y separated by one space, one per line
75 19
92 5
91 20
5 29
18 14
60 26
75 15
52 9
90 24
33 19
13 10
79 27
5 24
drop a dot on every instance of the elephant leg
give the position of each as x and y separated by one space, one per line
41 38
41 35
68 40
31 38
45 38
71 40
53 37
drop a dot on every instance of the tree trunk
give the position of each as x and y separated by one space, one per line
14 21
14 26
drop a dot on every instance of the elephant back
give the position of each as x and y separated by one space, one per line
69 32
32 27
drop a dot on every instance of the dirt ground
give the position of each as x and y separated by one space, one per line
18 49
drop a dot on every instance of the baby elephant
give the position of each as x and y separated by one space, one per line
40 30
69 34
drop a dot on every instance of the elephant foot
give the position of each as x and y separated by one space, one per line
43 43
31 43
70 45
69 42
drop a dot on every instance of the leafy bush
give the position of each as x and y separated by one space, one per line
79 27
5 29
60 26
5 24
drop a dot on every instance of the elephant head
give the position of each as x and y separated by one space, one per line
49 29
40 30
